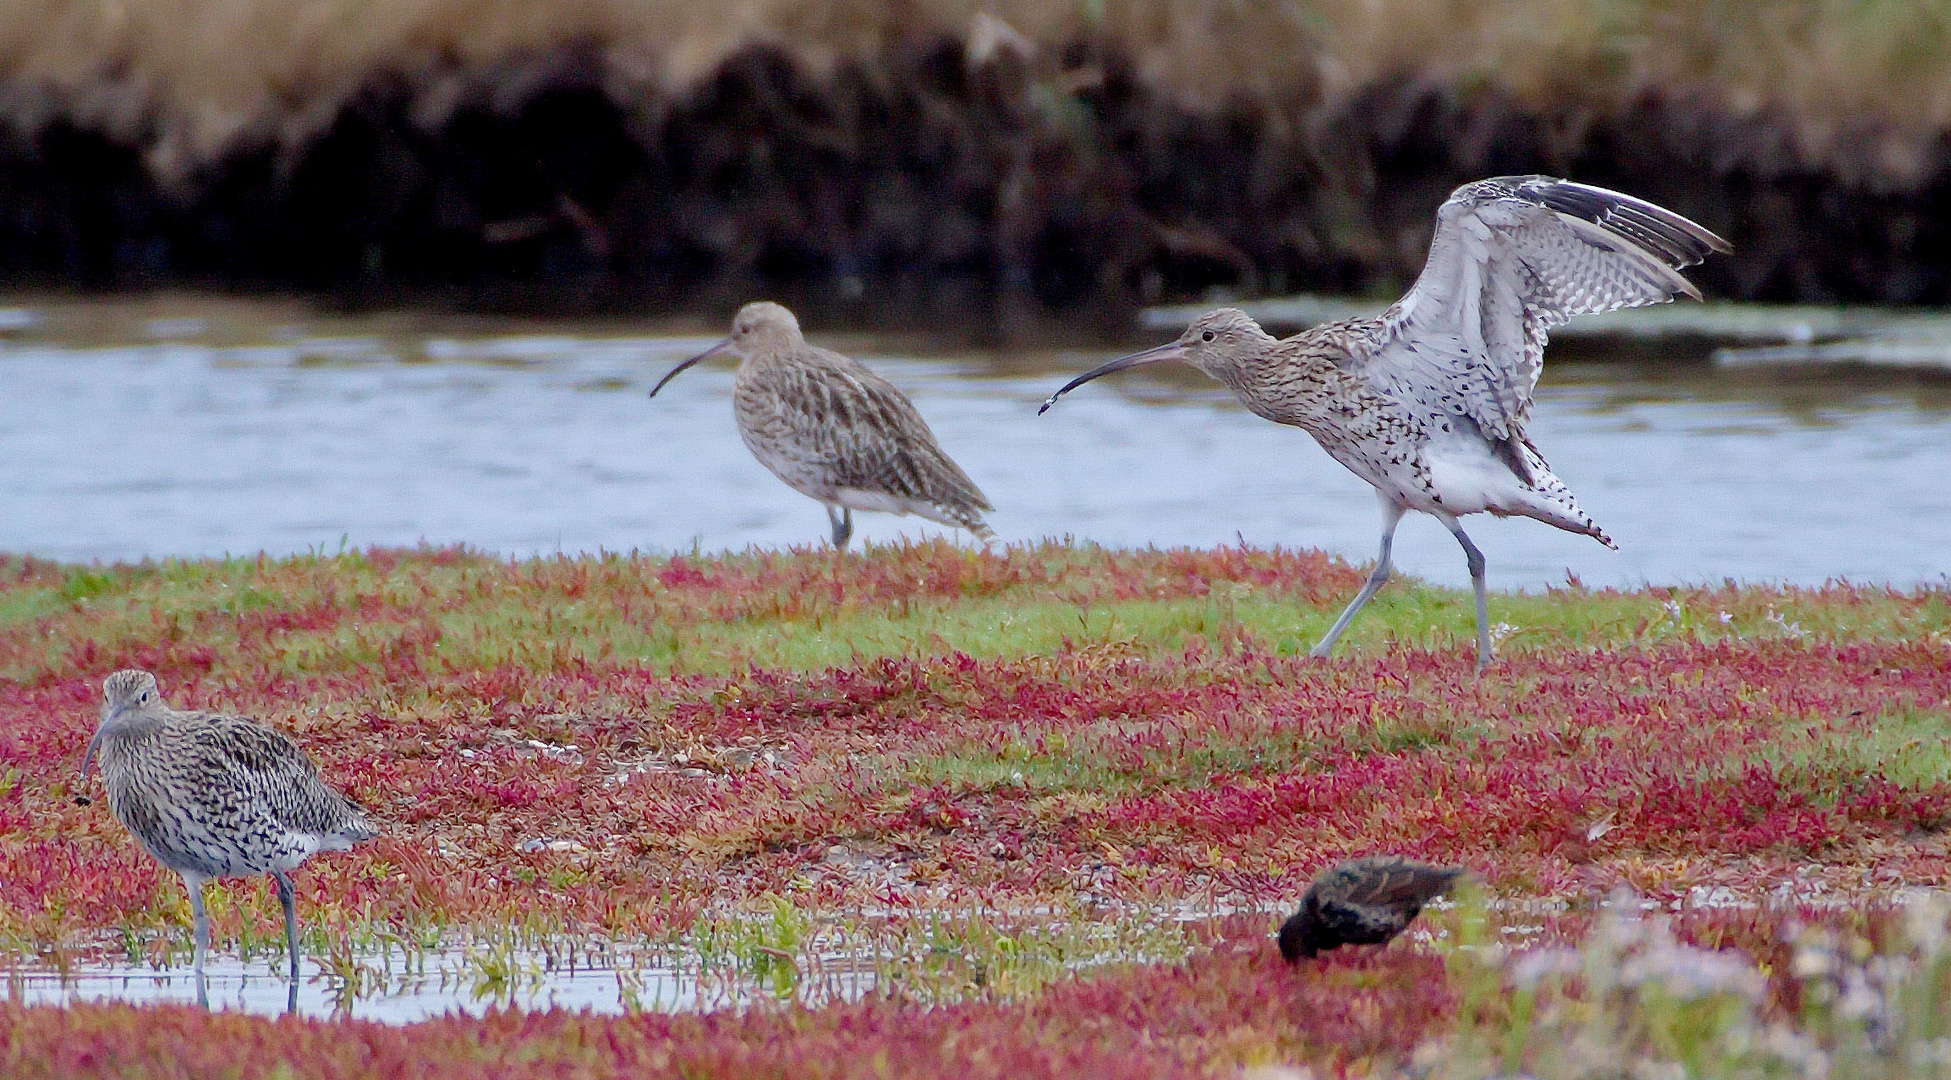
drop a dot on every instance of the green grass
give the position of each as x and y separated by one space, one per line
1910 747
1138 755
486 612
1097 760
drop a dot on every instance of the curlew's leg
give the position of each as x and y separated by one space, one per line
287 898
199 935
1391 517
843 525
1475 560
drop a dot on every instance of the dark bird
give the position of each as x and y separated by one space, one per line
214 796
1362 901
1428 401
835 431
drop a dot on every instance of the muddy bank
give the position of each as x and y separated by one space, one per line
936 181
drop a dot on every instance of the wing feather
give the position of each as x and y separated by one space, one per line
1512 258
1399 883
866 434
274 772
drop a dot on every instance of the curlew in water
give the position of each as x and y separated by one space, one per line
214 796
1364 901
1428 401
835 431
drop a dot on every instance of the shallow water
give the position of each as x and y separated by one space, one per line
189 427
260 987
434 984
401 988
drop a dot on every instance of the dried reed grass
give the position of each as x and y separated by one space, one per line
1862 79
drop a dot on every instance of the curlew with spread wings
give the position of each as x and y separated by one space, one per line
1428 402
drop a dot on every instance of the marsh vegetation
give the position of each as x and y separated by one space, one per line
921 789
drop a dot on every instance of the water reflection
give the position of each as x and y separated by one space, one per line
259 426
403 988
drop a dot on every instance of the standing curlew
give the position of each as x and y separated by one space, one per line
1362 901
1428 401
835 431
216 796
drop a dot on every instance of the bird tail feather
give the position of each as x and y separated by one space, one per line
954 516
1546 498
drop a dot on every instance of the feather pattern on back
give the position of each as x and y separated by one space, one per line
837 432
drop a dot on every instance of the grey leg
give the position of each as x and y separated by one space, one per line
1391 517
199 935
1475 560
843 526
289 900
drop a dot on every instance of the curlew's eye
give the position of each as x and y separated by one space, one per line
1207 336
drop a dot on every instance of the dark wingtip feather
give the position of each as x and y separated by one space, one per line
1675 239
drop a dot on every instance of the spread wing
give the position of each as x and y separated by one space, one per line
865 433
1512 258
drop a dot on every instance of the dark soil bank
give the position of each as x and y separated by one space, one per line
930 187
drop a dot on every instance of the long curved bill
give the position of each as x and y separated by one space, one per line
88 759
1171 350
672 374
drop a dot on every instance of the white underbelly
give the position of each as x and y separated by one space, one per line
1468 479
1453 476
1459 474
1399 476
859 499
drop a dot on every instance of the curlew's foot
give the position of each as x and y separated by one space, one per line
843 526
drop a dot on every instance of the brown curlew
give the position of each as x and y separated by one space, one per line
214 796
1428 401
1362 901
835 431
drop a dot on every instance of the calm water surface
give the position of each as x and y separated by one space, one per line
435 984
191 427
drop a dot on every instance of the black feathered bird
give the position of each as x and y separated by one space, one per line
1362 901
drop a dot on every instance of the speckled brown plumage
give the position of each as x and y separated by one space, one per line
1364 901
1428 401
836 432
210 796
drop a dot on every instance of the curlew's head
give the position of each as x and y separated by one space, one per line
763 326
759 327
1215 343
128 689
126 695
